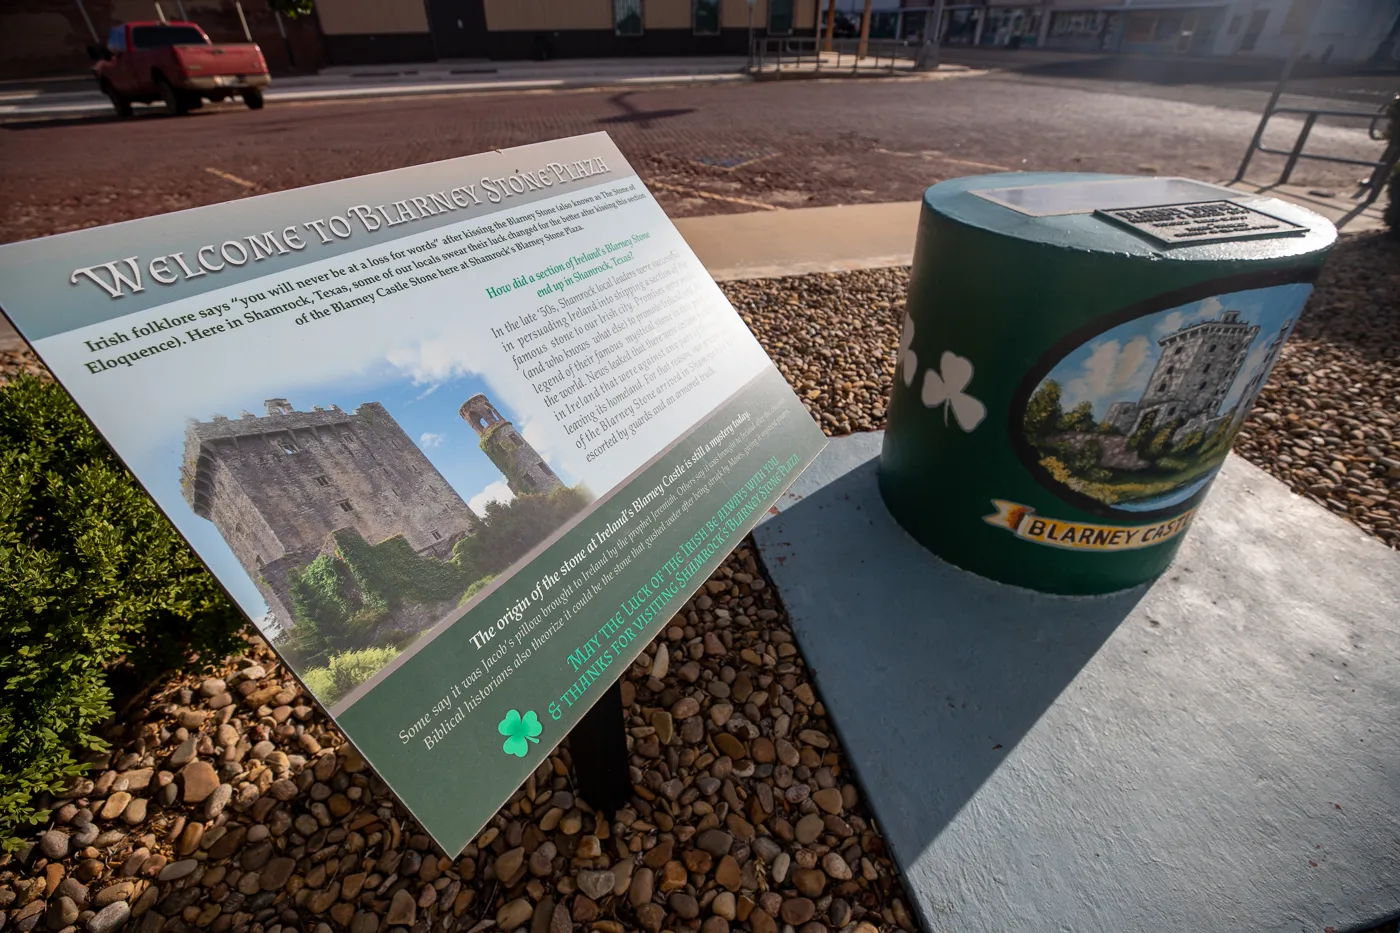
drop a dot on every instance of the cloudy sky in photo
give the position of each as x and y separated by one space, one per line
1115 365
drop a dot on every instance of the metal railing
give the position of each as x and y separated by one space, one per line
1381 168
772 56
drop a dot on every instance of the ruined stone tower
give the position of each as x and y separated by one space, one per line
277 486
1198 365
525 470
1255 385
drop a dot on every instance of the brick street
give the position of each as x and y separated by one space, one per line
708 149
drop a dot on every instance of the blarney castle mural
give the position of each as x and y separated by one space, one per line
353 537
1139 417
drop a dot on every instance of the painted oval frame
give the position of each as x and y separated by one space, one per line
1062 348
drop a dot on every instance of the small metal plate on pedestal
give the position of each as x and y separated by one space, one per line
1201 222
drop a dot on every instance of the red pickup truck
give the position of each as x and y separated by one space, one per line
176 63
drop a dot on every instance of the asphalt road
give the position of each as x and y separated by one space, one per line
706 149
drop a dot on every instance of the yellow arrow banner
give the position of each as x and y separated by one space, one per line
1024 523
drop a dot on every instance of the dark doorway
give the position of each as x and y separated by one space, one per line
1254 30
459 28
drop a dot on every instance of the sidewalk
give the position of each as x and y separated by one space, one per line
865 236
1334 205
1356 82
845 237
77 98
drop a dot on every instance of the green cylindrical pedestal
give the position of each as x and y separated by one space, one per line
1078 354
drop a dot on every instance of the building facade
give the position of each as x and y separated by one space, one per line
525 470
40 38
1335 30
1332 30
369 31
278 485
49 37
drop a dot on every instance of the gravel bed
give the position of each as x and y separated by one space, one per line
1327 424
833 336
14 361
233 804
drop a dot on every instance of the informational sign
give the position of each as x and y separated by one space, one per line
1202 222
461 438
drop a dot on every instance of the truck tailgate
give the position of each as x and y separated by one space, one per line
205 60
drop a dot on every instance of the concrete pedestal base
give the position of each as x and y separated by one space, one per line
1219 751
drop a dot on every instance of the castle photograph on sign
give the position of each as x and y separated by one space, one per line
353 536
1139 417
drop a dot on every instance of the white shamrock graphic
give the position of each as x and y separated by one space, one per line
946 389
908 362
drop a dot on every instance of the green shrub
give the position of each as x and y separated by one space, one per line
1043 411
509 529
346 671
90 574
1080 419
475 588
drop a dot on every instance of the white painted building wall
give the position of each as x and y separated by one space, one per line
1351 29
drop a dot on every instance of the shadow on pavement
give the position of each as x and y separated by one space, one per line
932 675
631 114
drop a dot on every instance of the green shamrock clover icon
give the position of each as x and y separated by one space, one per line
519 732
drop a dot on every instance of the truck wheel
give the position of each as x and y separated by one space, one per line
175 103
120 104
253 98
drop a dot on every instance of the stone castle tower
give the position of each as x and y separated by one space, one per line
524 469
1192 377
1255 385
277 486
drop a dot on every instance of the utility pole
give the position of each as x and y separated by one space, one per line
830 23
247 33
864 31
751 3
93 29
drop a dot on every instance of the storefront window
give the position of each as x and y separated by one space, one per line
1012 27
627 17
961 26
706 17
1076 24
1140 28
780 17
911 25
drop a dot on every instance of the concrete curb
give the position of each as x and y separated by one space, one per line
91 104
766 244
15 106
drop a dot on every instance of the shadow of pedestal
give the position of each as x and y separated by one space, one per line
1219 750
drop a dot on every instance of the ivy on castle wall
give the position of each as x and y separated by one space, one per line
340 597
330 611
393 571
494 446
